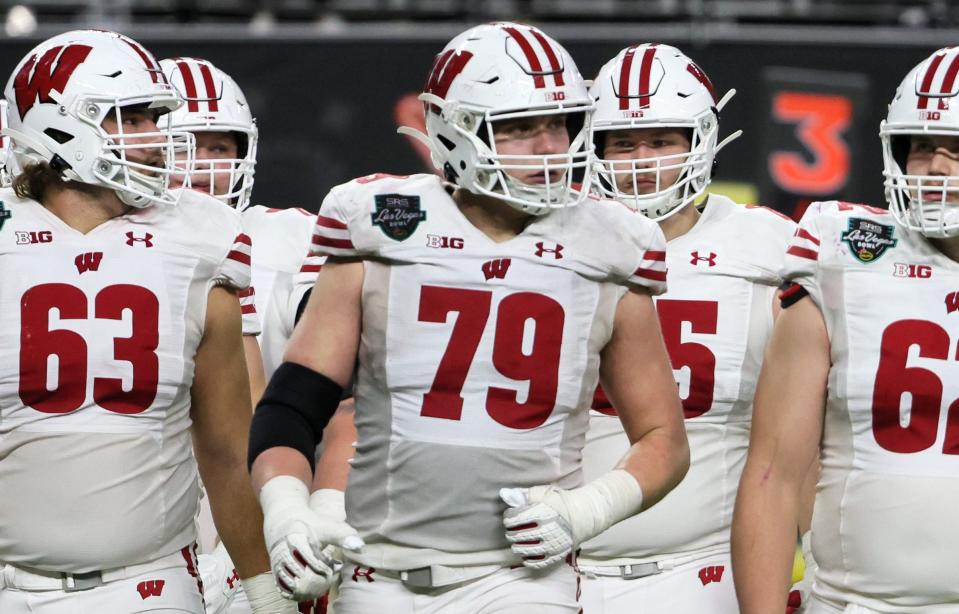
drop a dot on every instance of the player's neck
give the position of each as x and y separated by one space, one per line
680 223
494 218
85 208
949 247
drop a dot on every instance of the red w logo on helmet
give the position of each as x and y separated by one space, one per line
47 77
446 67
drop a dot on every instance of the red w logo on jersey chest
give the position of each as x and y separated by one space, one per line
713 573
952 302
47 77
150 588
90 261
496 268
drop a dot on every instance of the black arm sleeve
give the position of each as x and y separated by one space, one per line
296 406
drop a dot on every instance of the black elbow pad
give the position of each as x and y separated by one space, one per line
296 406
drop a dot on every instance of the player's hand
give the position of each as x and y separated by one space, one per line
299 540
536 526
220 580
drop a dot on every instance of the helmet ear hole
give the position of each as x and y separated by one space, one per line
58 135
900 143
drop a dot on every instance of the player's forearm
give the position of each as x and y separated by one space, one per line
659 461
764 539
333 466
254 368
236 512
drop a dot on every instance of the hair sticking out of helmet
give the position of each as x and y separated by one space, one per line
496 73
65 93
652 86
214 103
925 106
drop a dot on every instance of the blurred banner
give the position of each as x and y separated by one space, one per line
328 109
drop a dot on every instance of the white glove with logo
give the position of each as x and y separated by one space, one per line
220 580
296 538
545 523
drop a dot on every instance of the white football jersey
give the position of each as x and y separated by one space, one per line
477 359
287 293
98 334
716 318
884 526
281 239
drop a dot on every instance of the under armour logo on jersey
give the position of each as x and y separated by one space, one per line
150 588
696 258
496 268
713 573
232 580
89 261
952 302
146 239
363 572
542 249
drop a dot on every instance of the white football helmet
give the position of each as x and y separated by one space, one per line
496 72
60 94
657 86
927 102
215 103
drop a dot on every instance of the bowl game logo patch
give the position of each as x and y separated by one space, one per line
397 215
868 240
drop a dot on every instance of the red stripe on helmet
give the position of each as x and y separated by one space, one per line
531 57
210 86
148 60
623 92
950 76
190 86
551 56
697 72
927 80
644 73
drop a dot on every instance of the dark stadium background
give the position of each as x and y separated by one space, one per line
327 88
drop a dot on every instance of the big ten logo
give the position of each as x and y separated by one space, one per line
930 116
441 242
920 271
27 237
821 121
555 96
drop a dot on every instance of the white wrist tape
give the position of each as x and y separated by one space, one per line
593 508
263 595
283 491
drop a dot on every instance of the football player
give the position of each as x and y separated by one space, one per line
478 315
656 131
121 355
217 114
861 371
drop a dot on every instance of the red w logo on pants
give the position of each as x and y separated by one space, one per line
150 588
46 77
713 573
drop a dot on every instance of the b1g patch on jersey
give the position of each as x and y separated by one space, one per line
868 240
397 215
5 214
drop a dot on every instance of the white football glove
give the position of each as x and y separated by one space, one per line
545 523
220 580
297 538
